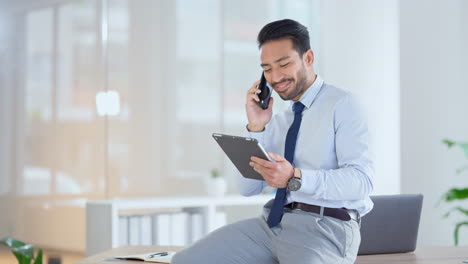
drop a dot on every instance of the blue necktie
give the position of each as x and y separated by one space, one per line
276 212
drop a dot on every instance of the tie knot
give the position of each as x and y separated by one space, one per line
298 107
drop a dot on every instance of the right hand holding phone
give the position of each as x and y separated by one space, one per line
258 117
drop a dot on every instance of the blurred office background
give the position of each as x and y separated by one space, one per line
103 99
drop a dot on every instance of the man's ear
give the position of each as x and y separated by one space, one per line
308 57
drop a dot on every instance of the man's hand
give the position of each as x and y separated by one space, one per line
276 174
258 118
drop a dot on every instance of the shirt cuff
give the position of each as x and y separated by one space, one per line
310 182
257 135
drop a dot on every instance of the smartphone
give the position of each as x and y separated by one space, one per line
265 93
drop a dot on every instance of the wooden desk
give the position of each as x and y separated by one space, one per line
426 255
423 255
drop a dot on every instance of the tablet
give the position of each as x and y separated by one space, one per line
239 150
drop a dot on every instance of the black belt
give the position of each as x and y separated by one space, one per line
338 213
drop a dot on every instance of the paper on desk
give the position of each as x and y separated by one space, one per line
158 257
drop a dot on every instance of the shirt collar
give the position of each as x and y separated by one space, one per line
309 96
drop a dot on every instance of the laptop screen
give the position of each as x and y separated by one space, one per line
392 225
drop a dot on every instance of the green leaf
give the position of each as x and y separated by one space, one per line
38 259
459 209
457 229
456 194
448 142
11 242
464 146
24 254
21 259
462 169
26 250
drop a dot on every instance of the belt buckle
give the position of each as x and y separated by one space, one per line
293 207
354 214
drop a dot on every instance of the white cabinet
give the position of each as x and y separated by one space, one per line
111 223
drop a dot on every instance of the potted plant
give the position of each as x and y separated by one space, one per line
457 194
24 253
216 184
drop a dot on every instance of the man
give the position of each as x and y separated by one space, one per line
322 169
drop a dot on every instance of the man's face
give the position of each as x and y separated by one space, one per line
284 69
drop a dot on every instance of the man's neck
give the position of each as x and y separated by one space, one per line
312 80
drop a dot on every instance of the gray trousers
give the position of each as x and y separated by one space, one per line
301 237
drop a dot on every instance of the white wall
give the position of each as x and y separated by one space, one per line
5 90
434 93
360 52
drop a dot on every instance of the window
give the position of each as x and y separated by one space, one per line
179 71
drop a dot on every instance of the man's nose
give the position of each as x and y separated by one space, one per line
276 75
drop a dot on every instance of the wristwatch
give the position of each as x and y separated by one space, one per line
295 183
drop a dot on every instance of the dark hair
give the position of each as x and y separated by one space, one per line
286 28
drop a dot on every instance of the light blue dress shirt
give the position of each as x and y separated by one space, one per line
332 150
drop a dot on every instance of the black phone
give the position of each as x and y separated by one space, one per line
265 93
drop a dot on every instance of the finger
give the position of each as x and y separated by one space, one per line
270 103
253 97
253 89
256 168
255 84
262 162
269 178
276 157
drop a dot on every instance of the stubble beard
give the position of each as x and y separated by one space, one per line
298 87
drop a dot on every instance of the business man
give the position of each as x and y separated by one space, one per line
323 169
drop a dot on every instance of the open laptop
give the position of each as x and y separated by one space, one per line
392 225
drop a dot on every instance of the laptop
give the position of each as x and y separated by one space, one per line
392 225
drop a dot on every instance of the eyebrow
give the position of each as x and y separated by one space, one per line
276 61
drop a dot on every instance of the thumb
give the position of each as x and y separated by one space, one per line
276 157
270 103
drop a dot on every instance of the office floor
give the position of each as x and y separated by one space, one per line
6 257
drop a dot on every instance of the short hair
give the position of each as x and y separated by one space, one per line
289 29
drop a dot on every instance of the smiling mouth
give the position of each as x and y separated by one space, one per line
283 86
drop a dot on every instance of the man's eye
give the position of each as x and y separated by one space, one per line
267 70
284 65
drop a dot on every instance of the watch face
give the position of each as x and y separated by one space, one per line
294 184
